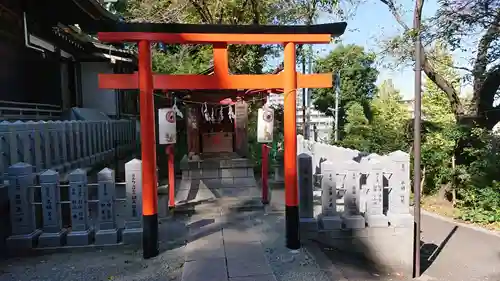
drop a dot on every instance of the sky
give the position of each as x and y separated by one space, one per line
372 22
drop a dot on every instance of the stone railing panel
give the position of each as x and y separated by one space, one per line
64 145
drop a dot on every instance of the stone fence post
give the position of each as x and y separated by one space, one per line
22 212
329 183
80 234
133 216
399 186
53 235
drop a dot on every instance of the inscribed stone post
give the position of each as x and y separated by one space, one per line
53 235
84 137
241 127
133 217
374 204
99 141
80 234
24 135
352 218
71 145
307 220
106 228
329 218
46 145
93 142
56 145
107 140
14 143
24 232
34 129
4 149
63 137
399 185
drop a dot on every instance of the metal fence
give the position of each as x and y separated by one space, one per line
10 110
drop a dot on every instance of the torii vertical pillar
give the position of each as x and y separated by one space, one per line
290 138
148 153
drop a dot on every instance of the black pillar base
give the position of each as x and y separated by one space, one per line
292 227
265 202
150 243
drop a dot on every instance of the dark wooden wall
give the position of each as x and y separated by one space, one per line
25 75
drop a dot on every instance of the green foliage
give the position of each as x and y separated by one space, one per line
441 139
386 131
389 121
357 128
357 80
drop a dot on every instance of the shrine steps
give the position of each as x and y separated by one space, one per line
217 183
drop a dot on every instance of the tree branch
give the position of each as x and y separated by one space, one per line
435 77
481 62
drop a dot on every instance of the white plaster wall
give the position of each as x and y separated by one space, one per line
103 100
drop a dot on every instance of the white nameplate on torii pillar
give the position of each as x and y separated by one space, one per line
167 133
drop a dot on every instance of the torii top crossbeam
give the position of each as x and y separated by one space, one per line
219 36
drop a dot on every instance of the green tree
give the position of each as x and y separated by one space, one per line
357 80
459 23
357 128
390 120
439 142
243 58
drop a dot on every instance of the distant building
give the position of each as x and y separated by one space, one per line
320 125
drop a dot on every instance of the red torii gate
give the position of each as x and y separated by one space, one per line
219 36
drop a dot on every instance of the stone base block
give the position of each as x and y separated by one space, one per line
308 224
106 237
400 220
23 241
354 222
52 239
80 238
377 221
86 161
93 159
377 245
331 222
132 236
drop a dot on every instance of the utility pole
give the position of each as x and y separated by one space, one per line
304 93
337 96
309 93
416 138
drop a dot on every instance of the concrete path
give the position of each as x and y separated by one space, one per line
454 252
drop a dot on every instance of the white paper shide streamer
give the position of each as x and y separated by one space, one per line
265 125
167 125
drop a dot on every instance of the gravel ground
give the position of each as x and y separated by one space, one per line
104 263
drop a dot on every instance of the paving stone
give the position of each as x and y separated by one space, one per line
268 277
234 234
243 249
205 270
248 266
210 246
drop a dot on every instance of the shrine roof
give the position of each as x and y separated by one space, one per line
334 29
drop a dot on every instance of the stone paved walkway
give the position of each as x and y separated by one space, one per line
246 246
